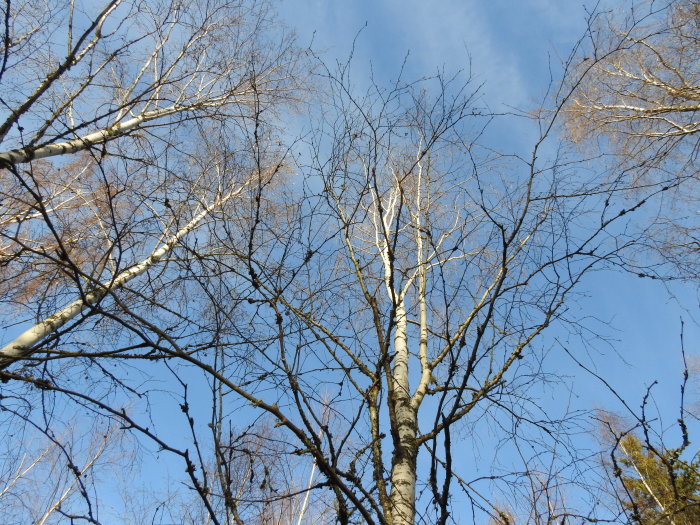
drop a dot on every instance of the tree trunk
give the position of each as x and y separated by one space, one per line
24 345
119 129
403 464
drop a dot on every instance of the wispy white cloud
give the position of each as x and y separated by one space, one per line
507 44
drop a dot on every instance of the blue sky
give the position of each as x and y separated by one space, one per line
511 47
508 42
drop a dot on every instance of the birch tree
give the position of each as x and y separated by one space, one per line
132 131
381 301
118 118
54 477
638 102
645 89
652 481
413 287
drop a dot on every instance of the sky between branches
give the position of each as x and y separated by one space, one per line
515 49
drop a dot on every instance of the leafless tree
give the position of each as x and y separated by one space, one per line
344 318
638 101
55 476
411 287
128 127
146 100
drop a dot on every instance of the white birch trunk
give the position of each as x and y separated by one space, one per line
25 344
403 468
18 156
648 487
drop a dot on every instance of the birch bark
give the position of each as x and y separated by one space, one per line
403 469
25 345
17 156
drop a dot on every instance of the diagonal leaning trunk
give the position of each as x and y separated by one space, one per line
119 129
403 462
25 345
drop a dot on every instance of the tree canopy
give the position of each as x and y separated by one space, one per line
658 486
315 323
